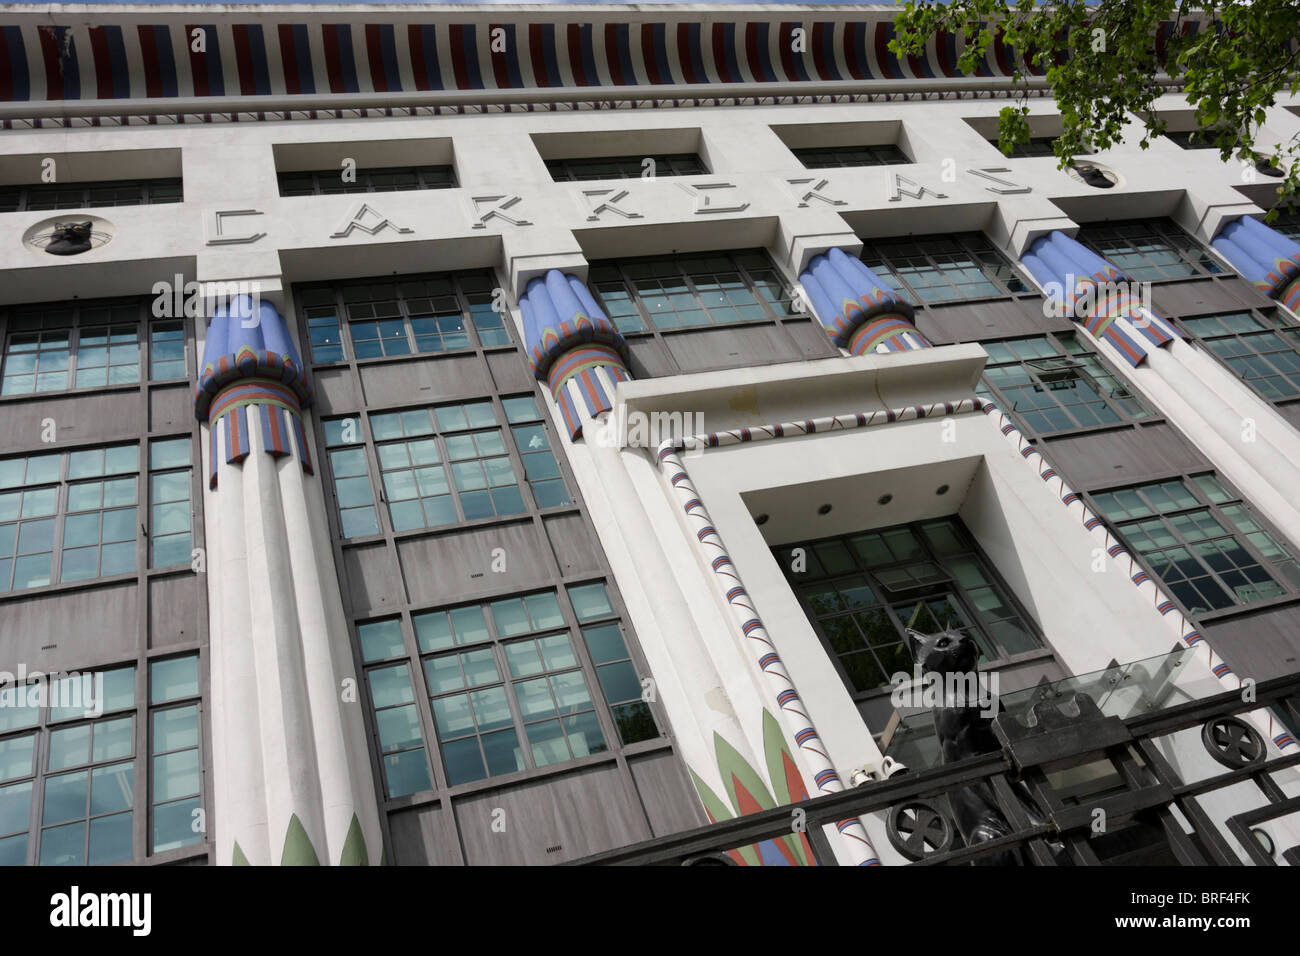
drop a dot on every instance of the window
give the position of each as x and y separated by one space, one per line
680 291
141 192
1149 250
614 668
1053 383
625 167
329 182
417 314
1201 541
540 467
508 685
1262 349
74 345
443 465
1037 146
68 764
862 591
169 499
68 516
830 157
167 351
1192 139
942 268
175 765
1287 223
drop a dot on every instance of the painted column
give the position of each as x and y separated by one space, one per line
572 346
292 773
1211 406
859 312
1264 257
576 349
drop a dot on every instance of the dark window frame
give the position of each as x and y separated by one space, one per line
141 711
1105 239
605 274
882 601
149 192
582 169
1204 504
369 445
1270 322
1044 378
317 313
329 182
414 657
837 157
885 257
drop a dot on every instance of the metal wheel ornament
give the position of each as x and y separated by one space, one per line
1233 742
918 828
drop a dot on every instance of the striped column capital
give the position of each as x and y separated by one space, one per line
572 346
858 311
251 363
1095 293
1262 256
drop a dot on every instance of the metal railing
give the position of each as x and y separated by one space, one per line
1050 828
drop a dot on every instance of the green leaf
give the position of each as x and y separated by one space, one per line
298 850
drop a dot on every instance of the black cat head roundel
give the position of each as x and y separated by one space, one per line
57 237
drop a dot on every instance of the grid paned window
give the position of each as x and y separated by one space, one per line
681 291
1037 146
75 345
1053 383
167 351
352 492
68 516
540 467
406 769
625 167
413 315
1262 349
863 590
509 685
41 196
614 667
169 501
1202 542
68 765
942 268
175 764
443 465
1149 250
329 182
831 157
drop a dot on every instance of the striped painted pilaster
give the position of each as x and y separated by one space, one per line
1264 257
1097 295
858 311
573 347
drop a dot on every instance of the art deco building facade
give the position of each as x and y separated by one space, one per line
590 398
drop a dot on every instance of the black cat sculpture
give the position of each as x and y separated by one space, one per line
1093 176
69 238
965 729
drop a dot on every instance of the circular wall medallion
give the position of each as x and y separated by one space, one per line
68 235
